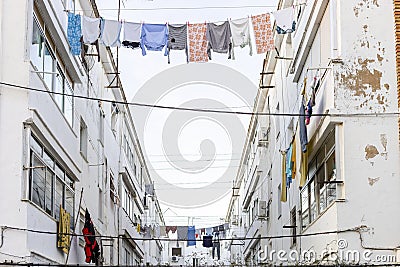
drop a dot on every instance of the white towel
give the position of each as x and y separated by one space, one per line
90 29
132 31
284 18
240 29
110 31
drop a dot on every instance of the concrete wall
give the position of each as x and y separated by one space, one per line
24 112
361 78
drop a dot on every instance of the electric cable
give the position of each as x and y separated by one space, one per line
205 110
354 229
181 8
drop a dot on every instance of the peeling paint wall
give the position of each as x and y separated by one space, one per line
365 81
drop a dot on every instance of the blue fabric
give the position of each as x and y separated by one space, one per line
279 30
309 109
303 129
74 32
191 239
154 37
289 166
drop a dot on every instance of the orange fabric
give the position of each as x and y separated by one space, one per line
263 33
197 42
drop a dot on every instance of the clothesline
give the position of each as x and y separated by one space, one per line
175 8
197 39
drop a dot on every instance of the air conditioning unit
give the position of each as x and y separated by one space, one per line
262 209
235 219
174 258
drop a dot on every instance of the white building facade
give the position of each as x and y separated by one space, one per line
69 149
344 210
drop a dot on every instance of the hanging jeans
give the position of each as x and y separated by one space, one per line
216 246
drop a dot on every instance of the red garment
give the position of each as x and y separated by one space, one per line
92 250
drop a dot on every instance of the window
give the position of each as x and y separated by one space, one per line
51 70
112 188
320 190
50 185
128 202
293 225
83 139
101 205
128 258
254 211
177 252
130 152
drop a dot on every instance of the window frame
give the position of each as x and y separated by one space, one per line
57 170
83 139
316 188
50 78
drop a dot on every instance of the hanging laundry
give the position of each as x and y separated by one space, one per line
291 163
302 126
74 33
90 29
170 228
154 37
152 231
283 185
197 42
110 32
138 228
202 231
182 232
285 22
177 39
163 231
92 250
304 167
147 231
309 111
209 231
314 87
131 35
191 237
263 33
303 91
157 232
219 39
293 159
207 241
289 166
240 29
226 226
149 189
216 245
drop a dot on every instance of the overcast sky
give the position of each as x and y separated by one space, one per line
136 70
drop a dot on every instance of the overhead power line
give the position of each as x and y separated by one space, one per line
354 229
203 110
179 8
